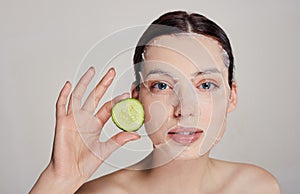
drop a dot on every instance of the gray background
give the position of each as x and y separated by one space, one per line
42 44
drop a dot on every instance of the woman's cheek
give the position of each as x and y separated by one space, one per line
156 115
205 113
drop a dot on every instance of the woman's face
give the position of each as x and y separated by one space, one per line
185 93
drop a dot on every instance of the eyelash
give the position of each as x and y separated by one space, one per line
212 86
155 86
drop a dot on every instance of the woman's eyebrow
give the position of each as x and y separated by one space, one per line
206 71
159 72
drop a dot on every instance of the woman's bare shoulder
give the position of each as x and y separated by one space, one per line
249 178
258 180
110 183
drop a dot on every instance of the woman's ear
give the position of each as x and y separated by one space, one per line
134 91
233 97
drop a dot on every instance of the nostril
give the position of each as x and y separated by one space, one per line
185 112
177 112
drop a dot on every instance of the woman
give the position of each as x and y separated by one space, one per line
184 79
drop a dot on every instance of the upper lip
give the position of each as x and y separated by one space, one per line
183 129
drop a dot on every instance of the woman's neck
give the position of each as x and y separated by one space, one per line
178 174
200 166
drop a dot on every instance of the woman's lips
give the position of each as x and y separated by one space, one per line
185 136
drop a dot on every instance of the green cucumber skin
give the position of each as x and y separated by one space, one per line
129 100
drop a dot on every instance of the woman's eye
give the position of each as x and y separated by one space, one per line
207 86
160 86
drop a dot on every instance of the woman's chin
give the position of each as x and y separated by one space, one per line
174 151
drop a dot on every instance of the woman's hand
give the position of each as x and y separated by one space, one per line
77 151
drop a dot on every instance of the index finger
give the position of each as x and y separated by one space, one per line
95 96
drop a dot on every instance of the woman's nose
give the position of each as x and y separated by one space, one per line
184 101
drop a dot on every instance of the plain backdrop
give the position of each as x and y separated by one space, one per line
42 44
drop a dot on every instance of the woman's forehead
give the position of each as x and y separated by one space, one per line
187 53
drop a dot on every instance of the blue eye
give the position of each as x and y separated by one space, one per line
207 86
160 86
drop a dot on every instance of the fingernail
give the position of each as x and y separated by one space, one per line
67 83
92 69
125 95
134 136
110 71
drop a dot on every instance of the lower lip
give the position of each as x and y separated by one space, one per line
185 139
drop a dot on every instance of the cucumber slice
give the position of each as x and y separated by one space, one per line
128 114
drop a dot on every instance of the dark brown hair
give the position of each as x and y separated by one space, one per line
182 22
